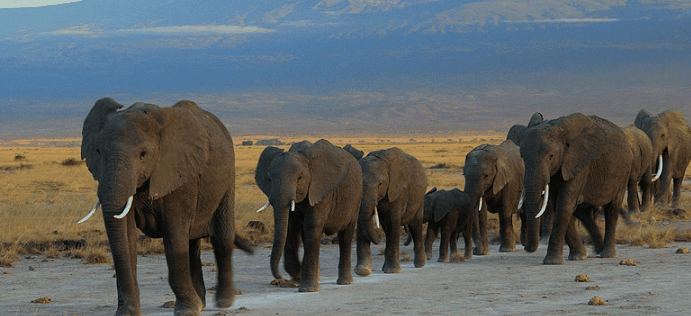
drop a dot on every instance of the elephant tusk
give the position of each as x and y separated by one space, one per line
544 201
520 202
264 207
127 208
292 205
479 208
659 169
93 210
376 216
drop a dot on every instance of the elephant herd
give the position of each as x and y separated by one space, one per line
170 172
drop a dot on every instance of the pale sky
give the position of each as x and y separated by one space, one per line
31 3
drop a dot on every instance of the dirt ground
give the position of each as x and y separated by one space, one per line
497 284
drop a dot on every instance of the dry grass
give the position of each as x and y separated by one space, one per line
45 191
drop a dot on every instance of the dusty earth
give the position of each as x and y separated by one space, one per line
501 283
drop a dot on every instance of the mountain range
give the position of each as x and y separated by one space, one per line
336 66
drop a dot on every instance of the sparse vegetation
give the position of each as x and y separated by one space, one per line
41 202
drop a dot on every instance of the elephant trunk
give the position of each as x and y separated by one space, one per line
367 220
532 207
473 187
281 214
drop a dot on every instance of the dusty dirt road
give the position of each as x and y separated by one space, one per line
498 284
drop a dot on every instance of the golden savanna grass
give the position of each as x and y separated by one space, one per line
45 191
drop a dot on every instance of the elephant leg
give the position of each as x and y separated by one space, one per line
196 270
586 214
467 239
611 217
187 301
524 227
309 272
646 192
506 235
577 251
547 220
345 240
677 191
291 259
562 216
420 257
632 196
223 242
364 253
392 230
444 244
480 233
453 244
430 236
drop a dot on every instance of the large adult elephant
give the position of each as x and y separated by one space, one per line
394 185
575 160
671 140
171 173
494 174
452 212
641 169
314 189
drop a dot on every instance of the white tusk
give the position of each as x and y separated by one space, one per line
292 205
659 169
127 208
264 207
520 202
376 216
544 201
93 210
479 208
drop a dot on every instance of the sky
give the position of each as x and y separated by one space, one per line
7 4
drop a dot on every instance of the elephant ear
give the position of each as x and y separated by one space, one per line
261 174
442 205
329 168
584 141
514 133
401 167
184 148
509 165
537 118
642 116
354 151
92 127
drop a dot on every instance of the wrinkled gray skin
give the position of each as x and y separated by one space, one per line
395 183
585 160
641 169
495 175
670 137
452 212
178 163
325 182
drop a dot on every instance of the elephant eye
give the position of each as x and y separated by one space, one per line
551 156
143 154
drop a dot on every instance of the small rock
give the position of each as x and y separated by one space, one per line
628 262
593 288
582 278
42 300
208 264
683 250
596 301
169 304
31 268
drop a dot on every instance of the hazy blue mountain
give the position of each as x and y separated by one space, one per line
344 66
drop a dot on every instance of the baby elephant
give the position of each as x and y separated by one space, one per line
453 212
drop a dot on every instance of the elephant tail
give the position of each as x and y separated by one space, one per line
244 244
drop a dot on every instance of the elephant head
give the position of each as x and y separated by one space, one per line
560 147
488 169
438 204
384 175
304 175
515 131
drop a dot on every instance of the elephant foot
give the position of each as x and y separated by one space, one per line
363 270
443 259
480 252
429 256
420 261
456 258
608 253
309 287
285 283
345 280
468 254
391 267
505 248
187 309
553 260
126 311
578 254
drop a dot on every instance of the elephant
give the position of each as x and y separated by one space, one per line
494 174
314 189
452 212
171 173
394 185
641 169
358 154
576 161
515 131
670 137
